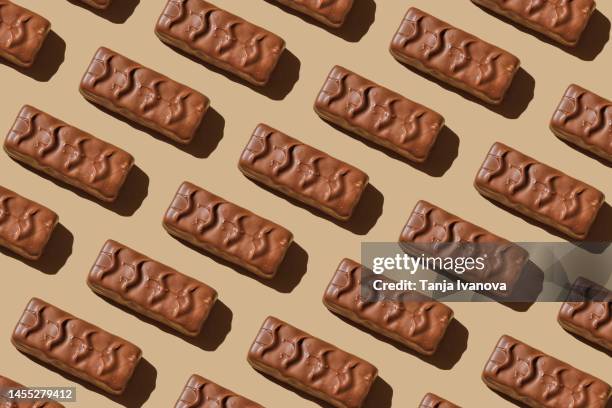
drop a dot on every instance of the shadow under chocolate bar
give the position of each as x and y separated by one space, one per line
98 4
23 33
202 393
433 401
8 402
329 12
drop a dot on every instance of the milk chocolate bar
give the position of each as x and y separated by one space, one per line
227 230
68 154
144 96
433 401
413 319
151 288
563 21
531 376
378 114
220 38
538 191
302 172
76 346
202 393
329 12
99 4
6 385
454 56
311 365
586 312
22 33
584 119
25 226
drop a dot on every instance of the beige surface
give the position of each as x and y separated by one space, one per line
325 242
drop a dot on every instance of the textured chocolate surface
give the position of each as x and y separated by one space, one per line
76 346
151 288
312 365
302 172
202 393
227 230
433 401
68 154
7 402
25 226
538 191
99 4
329 12
541 381
220 38
378 114
416 320
584 119
144 96
22 33
454 56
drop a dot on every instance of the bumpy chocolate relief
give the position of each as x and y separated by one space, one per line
378 114
312 365
454 56
227 230
144 96
329 12
22 33
433 401
584 119
99 4
151 288
68 154
413 319
302 172
76 346
25 226
529 375
538 191
220 38
202 393
6 401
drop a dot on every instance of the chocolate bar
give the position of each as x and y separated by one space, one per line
151 288
413 319
220 38
529 375
302 172
227 230
76 346
99 4
6 401
311 365
586 312
25 226
563 21
584 119
433 401
202 393
454 56
68 154
144 96
538 191
378 114
22 33
329 12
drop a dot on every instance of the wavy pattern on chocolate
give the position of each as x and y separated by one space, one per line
433 401
7 402
202 393
378 114
99 4
454 56
542 381
76 346
68 154
314 366
538 191
303 172
329 12
220 38
22 33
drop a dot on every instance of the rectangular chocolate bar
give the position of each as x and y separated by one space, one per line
454 56
144 96
23 33
202 393
329 12
151 288
538 191
414 319
584 119
563 21
227 230
68 154
220 38
76 346
433 401
98 4
311 365
586 312
7 385
529 375
302 172
378 114
25 226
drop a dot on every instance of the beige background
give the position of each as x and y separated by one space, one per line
295 296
